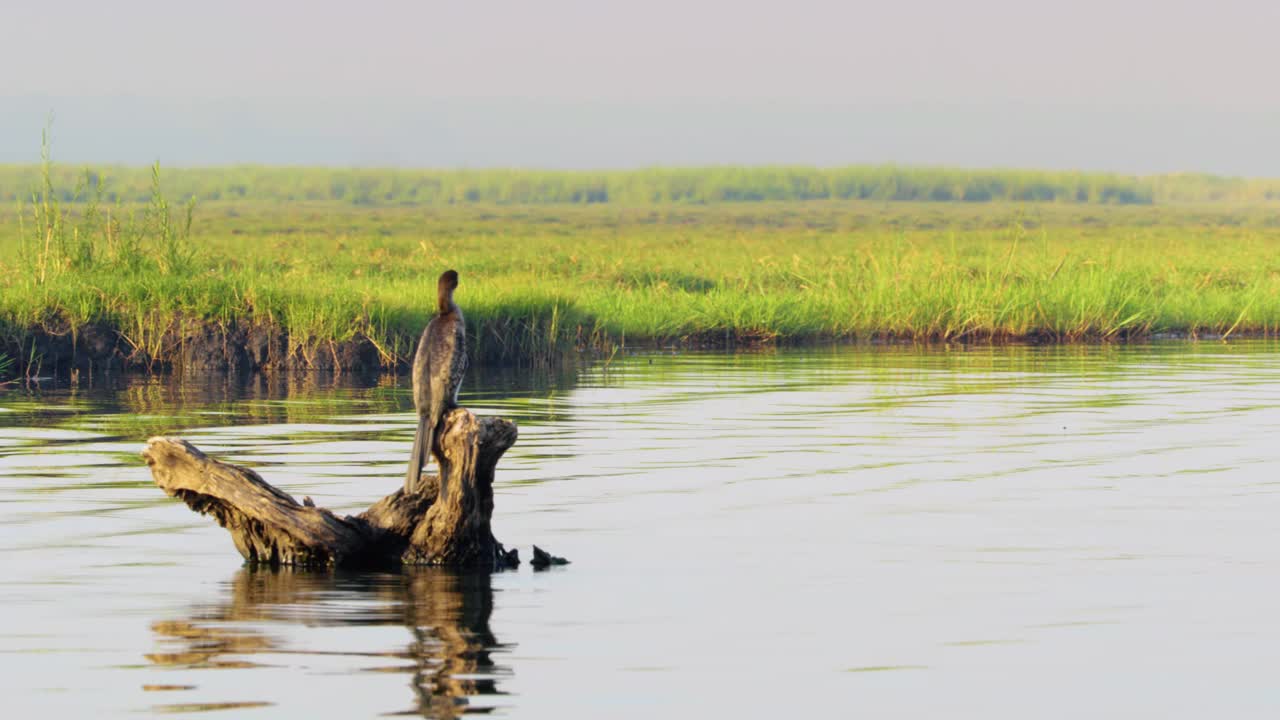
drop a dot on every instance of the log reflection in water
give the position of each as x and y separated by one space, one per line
446 613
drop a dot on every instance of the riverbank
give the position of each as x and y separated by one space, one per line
328 286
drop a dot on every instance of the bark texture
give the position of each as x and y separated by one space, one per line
270 527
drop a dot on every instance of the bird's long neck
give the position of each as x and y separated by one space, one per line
444 301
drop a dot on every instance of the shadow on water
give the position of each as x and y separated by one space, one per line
449 650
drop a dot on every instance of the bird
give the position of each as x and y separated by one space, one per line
438 367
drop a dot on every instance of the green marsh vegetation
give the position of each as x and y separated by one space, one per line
652 186
542 278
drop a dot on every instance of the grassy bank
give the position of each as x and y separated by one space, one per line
654 186
538 281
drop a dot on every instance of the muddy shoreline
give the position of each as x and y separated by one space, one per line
236 347
185 347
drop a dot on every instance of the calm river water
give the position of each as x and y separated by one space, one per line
982 533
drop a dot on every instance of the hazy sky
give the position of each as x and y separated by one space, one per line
1117 84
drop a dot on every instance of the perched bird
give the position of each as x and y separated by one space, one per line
438 367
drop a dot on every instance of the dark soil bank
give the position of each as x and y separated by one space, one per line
186 346
243 347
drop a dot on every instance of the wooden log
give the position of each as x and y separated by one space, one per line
268 526
455 531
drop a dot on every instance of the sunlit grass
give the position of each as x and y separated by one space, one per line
540 281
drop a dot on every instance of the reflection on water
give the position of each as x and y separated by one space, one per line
448 648
890 532
139 406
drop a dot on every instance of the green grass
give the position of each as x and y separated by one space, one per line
539 281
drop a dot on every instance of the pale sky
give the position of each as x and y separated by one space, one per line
1115 85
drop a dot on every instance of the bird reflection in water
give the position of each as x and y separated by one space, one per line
446 613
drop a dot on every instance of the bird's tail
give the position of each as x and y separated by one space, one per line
418 456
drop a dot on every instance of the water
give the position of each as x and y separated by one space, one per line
990 533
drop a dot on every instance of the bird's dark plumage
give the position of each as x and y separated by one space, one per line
438 367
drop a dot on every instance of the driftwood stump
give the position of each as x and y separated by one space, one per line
268 526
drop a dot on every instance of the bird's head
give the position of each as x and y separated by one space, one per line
448 281
445 286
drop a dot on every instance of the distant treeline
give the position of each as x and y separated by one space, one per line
633 187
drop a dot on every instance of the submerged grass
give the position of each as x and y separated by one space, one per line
540 281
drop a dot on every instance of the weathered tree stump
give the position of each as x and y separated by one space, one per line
268 526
